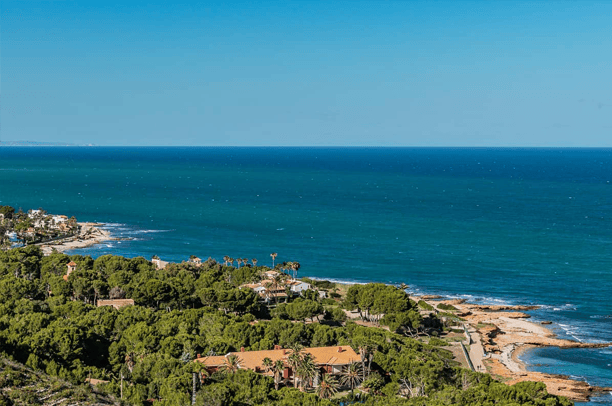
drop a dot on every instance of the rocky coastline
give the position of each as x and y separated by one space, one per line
89 234
503 333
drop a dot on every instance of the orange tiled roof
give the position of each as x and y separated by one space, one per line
251 285
275 293
338 355
71 263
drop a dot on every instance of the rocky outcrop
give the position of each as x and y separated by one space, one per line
506 332
497 308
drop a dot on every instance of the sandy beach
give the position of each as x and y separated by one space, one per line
89 234
501 333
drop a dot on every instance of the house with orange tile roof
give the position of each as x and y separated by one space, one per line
329 360
267 292
271 274
195 260
71 267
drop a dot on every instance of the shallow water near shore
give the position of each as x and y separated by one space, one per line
515 226
590 365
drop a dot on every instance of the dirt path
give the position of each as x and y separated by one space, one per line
477 352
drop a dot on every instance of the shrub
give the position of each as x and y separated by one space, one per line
437 342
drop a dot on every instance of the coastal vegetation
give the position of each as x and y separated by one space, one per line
20 385
50 322
446 306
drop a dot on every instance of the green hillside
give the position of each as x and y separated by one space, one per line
20 385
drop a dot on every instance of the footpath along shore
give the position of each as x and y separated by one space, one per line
500 333
89 234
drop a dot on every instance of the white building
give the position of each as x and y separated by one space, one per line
34 213
60 219
159 264
299 286
269 274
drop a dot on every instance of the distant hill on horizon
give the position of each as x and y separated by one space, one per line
36 144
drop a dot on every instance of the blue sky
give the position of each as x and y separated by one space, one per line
358 73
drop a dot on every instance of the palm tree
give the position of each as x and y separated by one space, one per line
226 259
351 375
267 364
364 352
245 261
273 255
130 361
295 266
286 266
238 261
268 291
295 360
232 364
307 371
327 387
254 261
277 282
277 369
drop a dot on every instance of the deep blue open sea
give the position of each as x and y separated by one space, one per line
517 226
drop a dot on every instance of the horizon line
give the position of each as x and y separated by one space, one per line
24 144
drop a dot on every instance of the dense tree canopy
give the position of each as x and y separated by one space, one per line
53 325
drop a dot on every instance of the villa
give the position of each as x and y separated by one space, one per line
298 286
329 360
60 219
268 292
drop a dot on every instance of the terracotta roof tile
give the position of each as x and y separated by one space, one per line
338 355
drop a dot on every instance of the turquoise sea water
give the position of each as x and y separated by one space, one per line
519 226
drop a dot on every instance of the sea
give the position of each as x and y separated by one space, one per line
492 225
